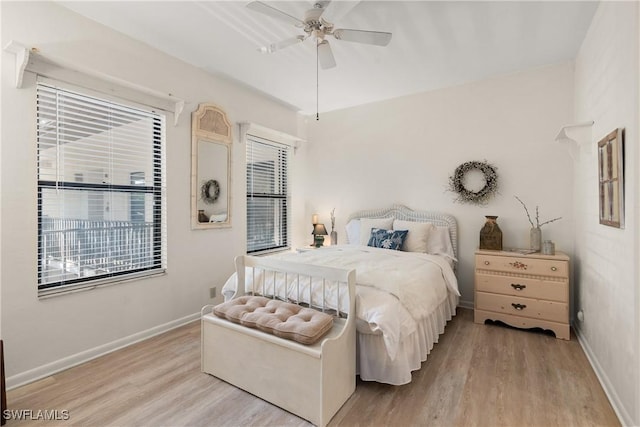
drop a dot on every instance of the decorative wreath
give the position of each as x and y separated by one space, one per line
480 197
210 191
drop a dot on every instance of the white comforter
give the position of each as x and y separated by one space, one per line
394 288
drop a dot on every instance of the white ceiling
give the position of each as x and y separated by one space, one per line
435 44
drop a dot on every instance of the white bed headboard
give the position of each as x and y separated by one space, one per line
402 212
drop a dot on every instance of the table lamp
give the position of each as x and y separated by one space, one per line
319 231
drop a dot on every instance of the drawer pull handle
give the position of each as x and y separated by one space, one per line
519 306
518 287
486 263
554 268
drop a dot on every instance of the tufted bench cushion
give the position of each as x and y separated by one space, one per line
282 319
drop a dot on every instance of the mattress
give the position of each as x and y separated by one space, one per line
403 301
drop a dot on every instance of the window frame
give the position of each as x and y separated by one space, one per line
157 191
284 195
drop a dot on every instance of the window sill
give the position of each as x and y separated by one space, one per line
75 288
270 251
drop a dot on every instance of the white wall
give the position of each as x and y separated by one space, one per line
404 150
606 262
45 334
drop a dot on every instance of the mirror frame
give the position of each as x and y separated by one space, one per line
611 178
209 123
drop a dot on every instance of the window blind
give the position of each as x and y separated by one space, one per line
268 196
101 190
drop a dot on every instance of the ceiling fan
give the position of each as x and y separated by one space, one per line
314 25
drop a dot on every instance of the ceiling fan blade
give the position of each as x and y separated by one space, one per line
336 10
377 38
271 11
325 55
322 3
282 44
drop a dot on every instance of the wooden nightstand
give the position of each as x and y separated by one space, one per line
525 291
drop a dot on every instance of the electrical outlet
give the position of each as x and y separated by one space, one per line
212 292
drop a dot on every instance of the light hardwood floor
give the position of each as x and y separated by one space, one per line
477 375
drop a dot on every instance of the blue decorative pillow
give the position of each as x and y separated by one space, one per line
387 239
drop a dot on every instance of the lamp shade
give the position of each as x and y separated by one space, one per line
319 230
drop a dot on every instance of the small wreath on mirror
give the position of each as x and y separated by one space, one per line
480 197
210 191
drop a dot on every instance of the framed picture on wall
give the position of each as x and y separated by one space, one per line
611 178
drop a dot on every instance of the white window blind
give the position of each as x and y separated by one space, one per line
267 195
101 190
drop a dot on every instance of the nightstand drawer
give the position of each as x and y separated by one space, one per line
541 267
525 307
523 287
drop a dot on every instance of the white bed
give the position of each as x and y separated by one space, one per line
403 298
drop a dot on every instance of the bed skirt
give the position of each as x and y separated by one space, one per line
374 364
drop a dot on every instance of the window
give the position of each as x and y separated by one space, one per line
267 195
101 188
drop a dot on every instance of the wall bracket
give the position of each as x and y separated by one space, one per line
574 135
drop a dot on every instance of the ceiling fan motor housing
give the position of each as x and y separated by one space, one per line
314 24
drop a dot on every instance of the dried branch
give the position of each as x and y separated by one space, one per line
551 220
538 223
526 210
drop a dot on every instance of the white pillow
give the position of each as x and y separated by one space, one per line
440 242
418 236
366 224
353 231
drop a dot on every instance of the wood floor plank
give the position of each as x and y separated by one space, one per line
477 375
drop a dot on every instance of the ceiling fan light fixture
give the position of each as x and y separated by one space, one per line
325 55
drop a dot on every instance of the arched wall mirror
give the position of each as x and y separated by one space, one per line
210 168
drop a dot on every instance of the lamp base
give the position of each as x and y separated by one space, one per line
318 240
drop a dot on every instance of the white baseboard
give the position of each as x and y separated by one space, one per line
84 356
623 415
